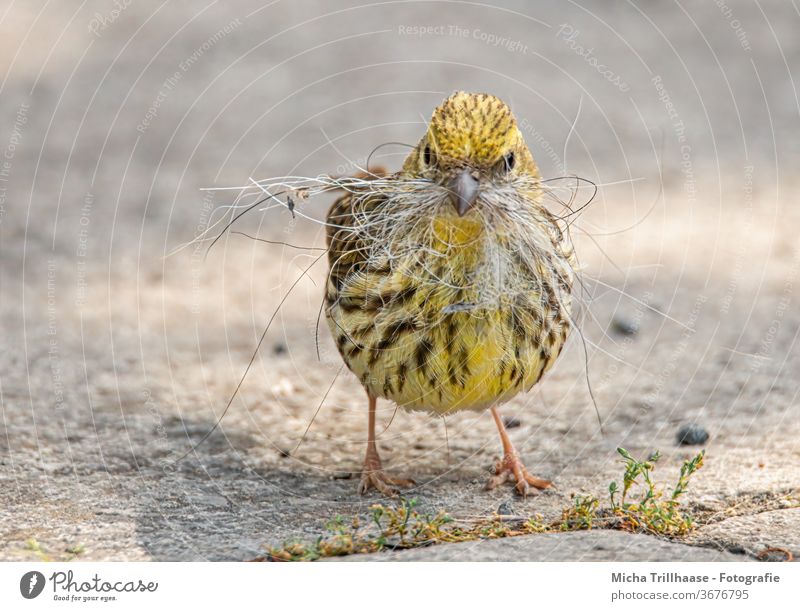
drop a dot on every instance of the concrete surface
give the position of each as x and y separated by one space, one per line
115 360
586 546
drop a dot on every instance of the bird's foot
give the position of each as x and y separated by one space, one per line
511 468
373 476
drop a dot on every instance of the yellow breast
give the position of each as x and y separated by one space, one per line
438 345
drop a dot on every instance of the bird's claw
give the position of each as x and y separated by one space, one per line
511 468
383 483
373 476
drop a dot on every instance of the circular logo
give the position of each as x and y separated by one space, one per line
31 584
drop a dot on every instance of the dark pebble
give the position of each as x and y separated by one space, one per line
505 509
511 423
692 435
284 453
624 326
279 348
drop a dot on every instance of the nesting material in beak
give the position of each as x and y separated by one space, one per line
464 191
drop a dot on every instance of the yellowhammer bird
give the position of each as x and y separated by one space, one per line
450 282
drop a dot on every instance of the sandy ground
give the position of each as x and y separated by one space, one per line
115 360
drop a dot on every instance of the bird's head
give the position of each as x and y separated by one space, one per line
472 143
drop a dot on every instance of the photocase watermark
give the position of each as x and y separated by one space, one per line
665 99
423 30
199 249
31 584
491 39
100 21
352 167
172 81
685 149
544 144
53 350
162 439
737 267
570 35
6 163
66 588
734 23
768 340
210 42
81 250
163 93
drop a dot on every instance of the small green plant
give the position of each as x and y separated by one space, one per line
652 512
32 545
403 527
398 527
70 553
75 550
581 514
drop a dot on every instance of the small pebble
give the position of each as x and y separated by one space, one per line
505 509
624 326
692 435
283 453
511 423
279 348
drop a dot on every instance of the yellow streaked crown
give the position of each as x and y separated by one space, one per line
475 129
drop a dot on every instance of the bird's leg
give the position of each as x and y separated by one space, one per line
373 475
511 465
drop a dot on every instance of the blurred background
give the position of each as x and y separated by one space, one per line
116 358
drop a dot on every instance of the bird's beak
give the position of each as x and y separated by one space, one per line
464 191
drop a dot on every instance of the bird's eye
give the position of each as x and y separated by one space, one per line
427 155
509 161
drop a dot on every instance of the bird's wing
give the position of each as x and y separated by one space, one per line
347 230
345 249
